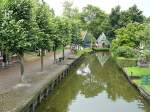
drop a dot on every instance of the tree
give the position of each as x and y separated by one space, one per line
13 38
56 36
43 18
1 19
21 10
75 32
73 16
128 37
114 19
148 19
146 34
95 20
67 11
2 3
65 33
119 19
70 11
15 28
133 14
114 16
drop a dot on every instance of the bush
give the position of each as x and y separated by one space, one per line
125 51
146 54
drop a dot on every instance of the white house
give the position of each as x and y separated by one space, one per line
102 41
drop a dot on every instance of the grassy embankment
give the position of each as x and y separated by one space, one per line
130 64
83 51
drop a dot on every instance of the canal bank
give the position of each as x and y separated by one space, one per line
129 78
95 85
24 97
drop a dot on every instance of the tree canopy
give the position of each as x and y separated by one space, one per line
27 25
94 20
119 18
129 35
127 39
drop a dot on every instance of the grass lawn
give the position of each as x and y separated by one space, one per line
137 71
145 87
85 50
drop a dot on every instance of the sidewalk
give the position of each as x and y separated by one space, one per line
26 98
11 76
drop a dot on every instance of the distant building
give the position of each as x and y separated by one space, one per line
87 40
102 41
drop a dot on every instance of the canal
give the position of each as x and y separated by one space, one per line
95 85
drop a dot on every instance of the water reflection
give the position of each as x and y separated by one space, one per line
103 57
83 70
103 89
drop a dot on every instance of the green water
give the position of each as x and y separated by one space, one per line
103 89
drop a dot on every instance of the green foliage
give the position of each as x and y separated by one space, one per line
114 16
44 32
13 37
75 31
146 54
100 49
125 51
128 37
119 19
146 34
84 51
21 10
56 37
133 14
69 11
73 16
37 26
64 31
1 20
126 62
15 25
27 25
114 19
148 20
129 31
94 20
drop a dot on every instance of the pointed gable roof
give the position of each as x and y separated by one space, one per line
102 39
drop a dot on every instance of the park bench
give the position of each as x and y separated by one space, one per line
60 60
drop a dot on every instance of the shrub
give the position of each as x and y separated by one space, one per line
146 54
125 51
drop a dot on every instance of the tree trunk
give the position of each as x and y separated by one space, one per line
63 52
54 55
54 50
21 62
91 43
42 64
4 58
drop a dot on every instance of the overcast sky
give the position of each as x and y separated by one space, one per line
105 5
